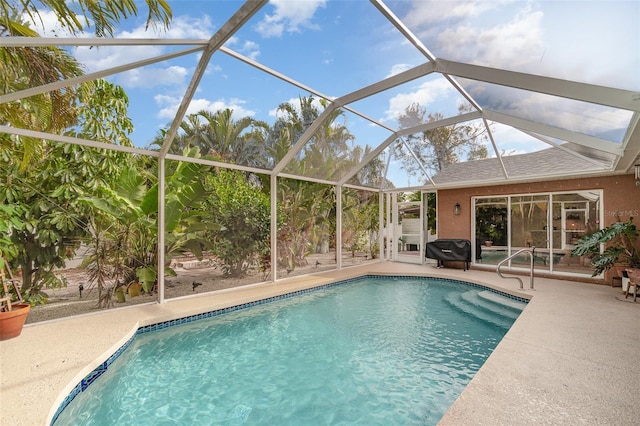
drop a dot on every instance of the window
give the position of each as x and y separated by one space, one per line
549 222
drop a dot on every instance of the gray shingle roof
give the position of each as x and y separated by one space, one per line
552 161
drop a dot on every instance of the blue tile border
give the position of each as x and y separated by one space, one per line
102 368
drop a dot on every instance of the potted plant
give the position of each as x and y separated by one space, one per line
621 240
12 315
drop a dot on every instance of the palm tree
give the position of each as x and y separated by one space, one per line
21 68
103 14
25 67
219 136
223 136
324 152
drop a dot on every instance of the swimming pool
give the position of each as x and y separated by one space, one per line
374 350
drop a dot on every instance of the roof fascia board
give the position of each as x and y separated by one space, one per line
500 182
617 98
242 15
555 132
57 85
525 179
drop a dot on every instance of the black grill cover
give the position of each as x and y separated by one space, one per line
444 249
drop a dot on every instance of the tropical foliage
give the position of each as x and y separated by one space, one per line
621 239
80 15
360 222
241 210
46 196
56 198
123 242
43 182
26 67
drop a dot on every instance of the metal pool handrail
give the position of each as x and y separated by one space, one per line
531 252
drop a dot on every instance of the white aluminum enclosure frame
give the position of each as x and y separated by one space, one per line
626 153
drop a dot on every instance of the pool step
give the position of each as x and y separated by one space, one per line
502 301
491 308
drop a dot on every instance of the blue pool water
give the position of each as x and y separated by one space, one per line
377 350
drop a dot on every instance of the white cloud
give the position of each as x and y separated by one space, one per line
153 77
250 49
567 114
515 43
425 95
289 16
182 27
169 106
427 12
48 25
479 31
104 57
397 69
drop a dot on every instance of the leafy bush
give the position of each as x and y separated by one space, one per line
242 211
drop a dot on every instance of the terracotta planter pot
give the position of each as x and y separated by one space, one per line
11 322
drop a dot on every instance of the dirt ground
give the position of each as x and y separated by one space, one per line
193 277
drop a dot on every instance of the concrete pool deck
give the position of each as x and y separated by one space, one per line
570 358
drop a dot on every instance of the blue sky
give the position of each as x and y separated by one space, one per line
339 46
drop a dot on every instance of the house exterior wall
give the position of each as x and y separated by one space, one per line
621 200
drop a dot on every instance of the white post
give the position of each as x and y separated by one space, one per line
274 227
161 214
339 226
381 198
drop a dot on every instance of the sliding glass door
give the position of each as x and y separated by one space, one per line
573 216
491 229
550 222
529 228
